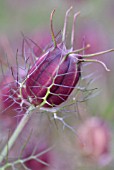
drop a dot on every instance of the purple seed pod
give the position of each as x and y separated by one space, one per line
54 75
57 71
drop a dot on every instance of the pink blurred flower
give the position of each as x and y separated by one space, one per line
94 142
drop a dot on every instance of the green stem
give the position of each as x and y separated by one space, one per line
16 133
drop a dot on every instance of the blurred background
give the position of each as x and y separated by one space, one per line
96 25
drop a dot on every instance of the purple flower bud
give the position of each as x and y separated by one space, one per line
54 75
57 71
54 72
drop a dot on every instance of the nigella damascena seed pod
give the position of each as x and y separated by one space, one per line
57 71
53 73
